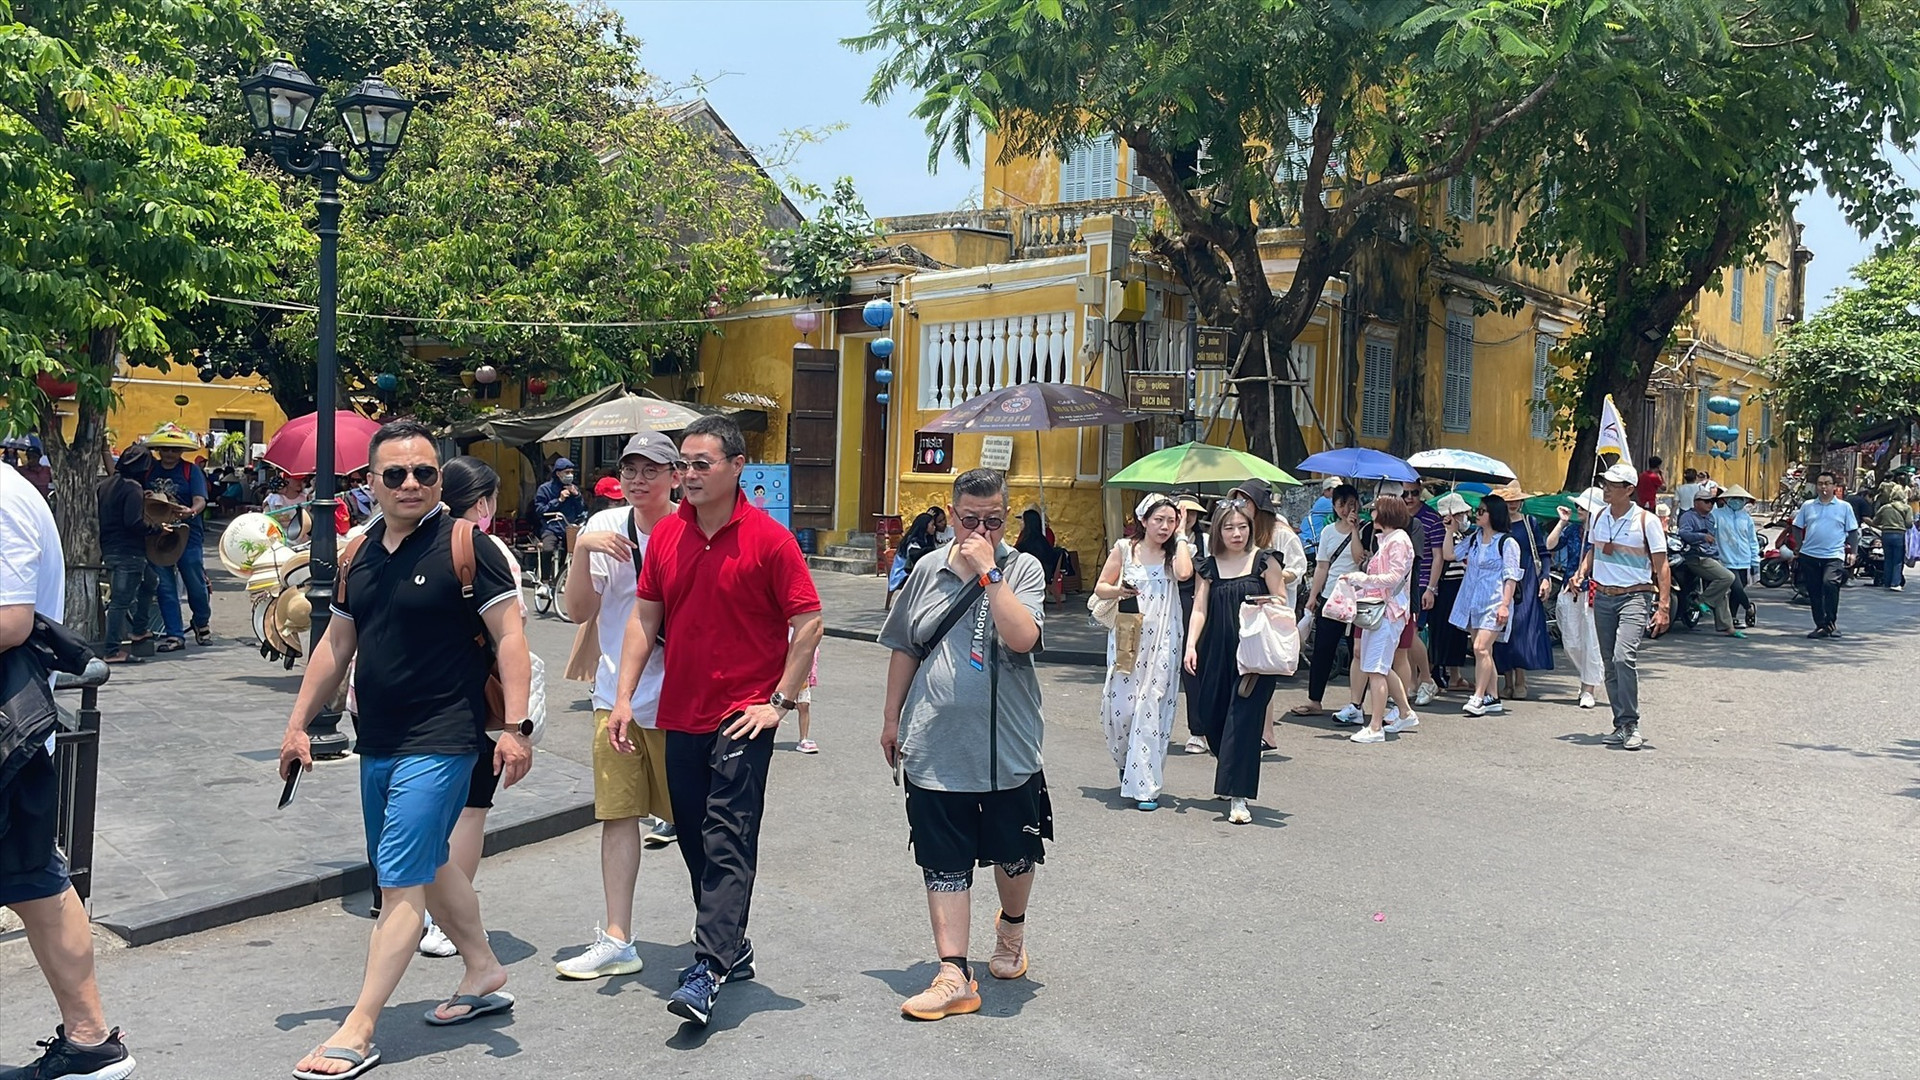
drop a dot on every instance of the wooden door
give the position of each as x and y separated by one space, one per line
873 447
813 435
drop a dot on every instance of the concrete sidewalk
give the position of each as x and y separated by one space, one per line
855 608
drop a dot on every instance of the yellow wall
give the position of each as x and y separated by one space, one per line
1021 181
144 401
957 247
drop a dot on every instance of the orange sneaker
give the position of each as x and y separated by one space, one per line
951 994
1009 949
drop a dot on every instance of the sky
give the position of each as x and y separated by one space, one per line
774 66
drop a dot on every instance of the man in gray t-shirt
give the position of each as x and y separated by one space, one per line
963 723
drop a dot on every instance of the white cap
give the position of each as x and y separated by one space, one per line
1451 503
1619 473
1708 491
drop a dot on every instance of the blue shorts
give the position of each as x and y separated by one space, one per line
410 804
49 880
31 864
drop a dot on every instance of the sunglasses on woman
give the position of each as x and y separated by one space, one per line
395 475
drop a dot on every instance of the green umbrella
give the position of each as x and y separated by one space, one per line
1198 467
1547 507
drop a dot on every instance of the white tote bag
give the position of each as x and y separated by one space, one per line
1269 639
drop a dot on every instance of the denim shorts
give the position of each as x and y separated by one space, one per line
410 804
31 864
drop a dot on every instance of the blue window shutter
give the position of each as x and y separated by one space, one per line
1457 411
1376 396
1542 372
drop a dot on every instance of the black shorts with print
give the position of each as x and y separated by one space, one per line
953 831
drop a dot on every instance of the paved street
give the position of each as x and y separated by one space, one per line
1492 898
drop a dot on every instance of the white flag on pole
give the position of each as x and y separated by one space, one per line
1613 434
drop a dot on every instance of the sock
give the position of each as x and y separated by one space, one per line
961 963
1010 920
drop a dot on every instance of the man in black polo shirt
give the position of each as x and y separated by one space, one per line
421 687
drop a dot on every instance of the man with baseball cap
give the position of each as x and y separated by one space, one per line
1627 559
1703 556
608 556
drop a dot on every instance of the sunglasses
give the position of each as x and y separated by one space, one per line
1236 504
699 465
396 475
649 472
970 522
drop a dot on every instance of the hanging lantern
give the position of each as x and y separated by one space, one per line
1723 406
877 313
882 397
1722 433
54 386
882 347
180 400
536 386
485 374
806 322
883 376
387 382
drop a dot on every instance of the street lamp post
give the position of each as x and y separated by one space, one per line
280 103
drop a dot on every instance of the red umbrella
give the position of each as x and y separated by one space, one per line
291 449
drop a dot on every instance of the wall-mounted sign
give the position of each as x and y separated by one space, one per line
1157 393
766 487
1212 344
933 451
996 452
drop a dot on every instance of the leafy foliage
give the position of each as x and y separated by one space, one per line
1650 177
818 257
1320 115
1857 363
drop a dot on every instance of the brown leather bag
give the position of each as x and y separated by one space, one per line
464 567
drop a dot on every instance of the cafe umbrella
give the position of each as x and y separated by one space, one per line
1035 407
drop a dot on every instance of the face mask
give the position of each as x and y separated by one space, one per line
485 522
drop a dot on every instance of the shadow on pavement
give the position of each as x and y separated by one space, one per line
736 1003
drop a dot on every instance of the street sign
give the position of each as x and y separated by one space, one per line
996 452
933 451
1157 393
1211 346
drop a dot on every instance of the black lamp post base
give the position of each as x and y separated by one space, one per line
326 739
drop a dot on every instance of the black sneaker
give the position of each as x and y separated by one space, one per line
662 834
742 970
693 1001
108 1061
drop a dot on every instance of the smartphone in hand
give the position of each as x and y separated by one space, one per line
293 785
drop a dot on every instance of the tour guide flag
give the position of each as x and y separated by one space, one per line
1613 434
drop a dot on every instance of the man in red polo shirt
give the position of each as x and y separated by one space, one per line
727 588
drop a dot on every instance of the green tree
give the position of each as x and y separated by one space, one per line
1653 176
817 258
1320 116
115 218
541 181
1857 363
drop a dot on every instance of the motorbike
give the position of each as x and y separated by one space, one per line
1870 558
1684 604
1776 568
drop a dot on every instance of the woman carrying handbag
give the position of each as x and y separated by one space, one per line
1143 649
1383 593
1232 707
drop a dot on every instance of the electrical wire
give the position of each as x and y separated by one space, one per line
309 309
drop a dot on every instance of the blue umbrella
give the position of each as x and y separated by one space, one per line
1359 463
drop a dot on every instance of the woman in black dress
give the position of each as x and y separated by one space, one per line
1190 514
1231 709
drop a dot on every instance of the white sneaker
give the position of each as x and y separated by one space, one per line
1404 723
1196 744
1392 717
1586 699
434 941
1349 714
1474 707
1238 814
1368 735
606 956
1424 695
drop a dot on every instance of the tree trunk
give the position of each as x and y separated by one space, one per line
1626 379
1266 405
76 491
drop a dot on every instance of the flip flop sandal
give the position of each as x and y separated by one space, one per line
170 644
360 1063
476 1006
127 659
1307 710
203 635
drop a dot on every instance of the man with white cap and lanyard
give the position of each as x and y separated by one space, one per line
1627 560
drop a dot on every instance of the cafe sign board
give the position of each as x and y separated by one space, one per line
933 451
1156 392
996 452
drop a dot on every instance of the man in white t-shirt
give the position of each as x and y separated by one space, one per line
33 870
1626 560
626 787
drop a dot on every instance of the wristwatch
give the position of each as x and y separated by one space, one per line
781 701
991 577
524 729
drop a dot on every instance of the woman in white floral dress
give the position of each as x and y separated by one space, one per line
1140 702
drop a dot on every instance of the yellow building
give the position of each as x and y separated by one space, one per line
145 398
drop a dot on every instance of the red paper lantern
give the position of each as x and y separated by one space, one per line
536 386
55 387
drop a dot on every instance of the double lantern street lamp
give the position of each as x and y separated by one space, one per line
280 102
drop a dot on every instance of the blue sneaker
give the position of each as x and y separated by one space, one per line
742 970
694 1000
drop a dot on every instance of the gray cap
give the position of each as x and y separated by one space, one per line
653 446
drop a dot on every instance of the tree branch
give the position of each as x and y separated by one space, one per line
1477 133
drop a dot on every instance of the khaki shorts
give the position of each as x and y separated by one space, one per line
629 785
